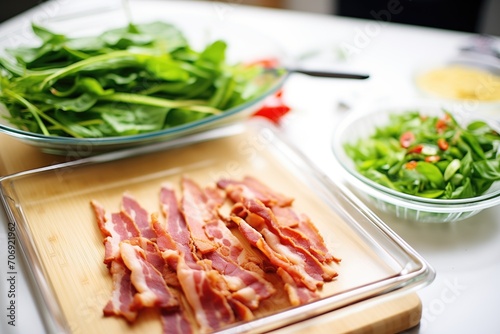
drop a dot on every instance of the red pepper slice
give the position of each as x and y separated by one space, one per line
443 144
406 139
274 108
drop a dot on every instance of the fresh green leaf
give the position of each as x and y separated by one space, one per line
431 172
128 80
466 168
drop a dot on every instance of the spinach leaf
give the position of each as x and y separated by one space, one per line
129 80
429 156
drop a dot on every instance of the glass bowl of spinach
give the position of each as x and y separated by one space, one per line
420 161
74 86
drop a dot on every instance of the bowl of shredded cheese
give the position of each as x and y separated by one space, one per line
471 83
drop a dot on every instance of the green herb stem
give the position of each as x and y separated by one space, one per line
83 64
196 105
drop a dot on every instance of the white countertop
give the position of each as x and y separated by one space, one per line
465 296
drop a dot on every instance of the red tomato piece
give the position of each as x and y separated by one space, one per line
406 139
416 149
443 144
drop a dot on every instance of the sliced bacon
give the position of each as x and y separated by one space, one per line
192 265
262 219
151 288
175 323
257 240
210 227
176 226
250 187
100 214
286 216
249 287
298 294
115 227
154 257
241 311
307 233
138 214
302 231
123 292
203 288
196 213
164 240
301 240
151 251
231 247
212 310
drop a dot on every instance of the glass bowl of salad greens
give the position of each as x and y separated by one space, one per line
420 161
119 83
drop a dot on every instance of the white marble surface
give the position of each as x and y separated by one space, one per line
465 296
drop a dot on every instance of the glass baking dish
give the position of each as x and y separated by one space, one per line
56 228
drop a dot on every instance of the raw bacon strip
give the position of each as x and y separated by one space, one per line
154 256
164 240
151 252
212 310
115 228
202 288
315 241
123 293
138 214
194 204
241 310
209 226
262 219
175 323
297 294
301 240
176 227
249 287
303 232
231 248
151 287
286 216
100 214
250 187
215 198
296 271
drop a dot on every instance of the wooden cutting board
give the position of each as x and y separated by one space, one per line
387 314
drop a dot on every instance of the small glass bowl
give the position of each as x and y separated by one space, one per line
361 124
447 92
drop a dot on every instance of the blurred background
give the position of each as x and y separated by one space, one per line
479 16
